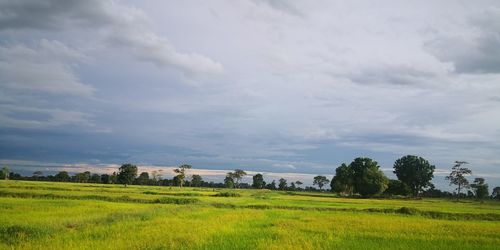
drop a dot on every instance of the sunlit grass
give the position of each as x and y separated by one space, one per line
72 219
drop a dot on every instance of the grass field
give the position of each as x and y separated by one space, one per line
42 215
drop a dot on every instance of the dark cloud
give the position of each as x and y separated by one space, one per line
475 51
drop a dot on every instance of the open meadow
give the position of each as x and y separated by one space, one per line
43 215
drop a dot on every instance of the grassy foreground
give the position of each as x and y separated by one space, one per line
42 215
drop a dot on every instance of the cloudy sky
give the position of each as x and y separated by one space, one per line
276 86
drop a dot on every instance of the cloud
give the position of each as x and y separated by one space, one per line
120 25
43 68
473 50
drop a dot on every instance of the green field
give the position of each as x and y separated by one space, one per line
43 215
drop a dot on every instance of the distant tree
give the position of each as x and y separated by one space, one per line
105 178
292 186
143 178
415 172
181 173
127 173
62 176
258 181
113 179
6 172
343 181
95 178
157 175
496 193
228 181
298 183
272 185
176 181
82 177
457 176
368 179
397 187
320 181
237 175
480 188
37 174
196 180
282 185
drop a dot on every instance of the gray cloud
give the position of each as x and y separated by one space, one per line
122 26
475 50
304 90
44 68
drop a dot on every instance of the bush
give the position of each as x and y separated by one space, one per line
227 194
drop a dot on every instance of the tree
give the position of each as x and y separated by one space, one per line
228 181
457 176
272 185
397 187
95 178
298 183
143 178
181 173
6 172
415 172
157 175
258 181
368 179
37 174
496 193
127 173
292 186
196 180
320 181
105 178
282 184
237 175
62 176
343 181
480 188
113 179
82 177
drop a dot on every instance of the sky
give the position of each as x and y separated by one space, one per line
291 87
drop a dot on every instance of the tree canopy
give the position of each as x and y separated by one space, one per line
457 176
181 173
127 173
320 181
415 172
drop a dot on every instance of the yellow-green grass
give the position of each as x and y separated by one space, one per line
42 215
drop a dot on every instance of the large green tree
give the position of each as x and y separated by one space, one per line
181 173
480 188
127 173
415 172
258 181
458 176
320 181
343 181
368 178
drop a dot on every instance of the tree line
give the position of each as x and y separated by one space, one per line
362 177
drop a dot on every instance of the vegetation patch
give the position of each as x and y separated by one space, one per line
175 200
227 194
12 235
